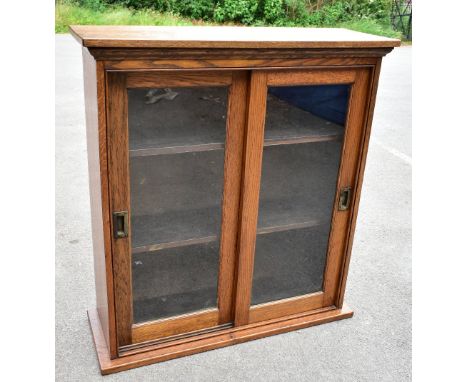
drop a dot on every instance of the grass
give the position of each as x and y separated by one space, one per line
72 14
69 14
372 27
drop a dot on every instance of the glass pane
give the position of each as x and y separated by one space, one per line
304 131
176 139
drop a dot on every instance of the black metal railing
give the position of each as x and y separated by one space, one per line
402 14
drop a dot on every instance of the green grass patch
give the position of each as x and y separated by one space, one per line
70 14
372 27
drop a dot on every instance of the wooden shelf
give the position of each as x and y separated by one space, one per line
193 283
286 124
294 195
220 146
176 149
175 229
199 227
195 117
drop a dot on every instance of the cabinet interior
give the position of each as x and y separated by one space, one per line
176 214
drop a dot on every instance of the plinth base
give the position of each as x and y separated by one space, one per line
209 341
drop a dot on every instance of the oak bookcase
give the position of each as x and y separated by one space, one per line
225 168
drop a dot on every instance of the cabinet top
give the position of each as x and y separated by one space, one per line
225 37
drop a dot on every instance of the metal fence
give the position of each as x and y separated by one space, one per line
402 14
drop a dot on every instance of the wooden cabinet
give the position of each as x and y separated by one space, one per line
225 171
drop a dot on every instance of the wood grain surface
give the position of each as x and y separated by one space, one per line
173 326
158 79
341 220
222 338
365 136
94 87
117 137
236 117
233 57
253 150
310 77
285 308
118 36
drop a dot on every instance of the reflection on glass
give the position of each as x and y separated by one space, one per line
304 131
176 141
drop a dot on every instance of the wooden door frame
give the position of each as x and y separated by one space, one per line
117 83
331 296
243 155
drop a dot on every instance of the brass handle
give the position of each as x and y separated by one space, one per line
345 199
120 220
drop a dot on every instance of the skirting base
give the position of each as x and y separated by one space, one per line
225 337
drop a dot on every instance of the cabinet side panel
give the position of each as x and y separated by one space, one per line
94 87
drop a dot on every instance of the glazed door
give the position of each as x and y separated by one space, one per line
175 150
305 130
232 194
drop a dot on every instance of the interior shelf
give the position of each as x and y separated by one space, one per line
192 227
180 207
288 124
196 116
191 131
184 280
175 229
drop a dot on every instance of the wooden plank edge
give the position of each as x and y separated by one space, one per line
225 338
75 34
212 56
96 42
99 340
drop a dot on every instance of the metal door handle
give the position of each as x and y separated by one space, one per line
345 199
120 220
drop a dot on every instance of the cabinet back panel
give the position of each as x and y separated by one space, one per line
174 281
287 265
195 115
